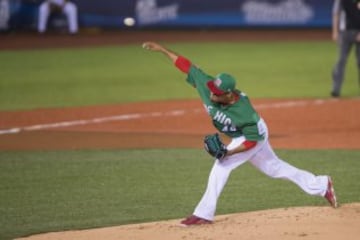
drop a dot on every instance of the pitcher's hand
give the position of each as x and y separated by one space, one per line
152 46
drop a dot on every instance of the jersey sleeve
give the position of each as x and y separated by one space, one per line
183 64
197 78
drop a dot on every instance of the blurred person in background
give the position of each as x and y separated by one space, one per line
346 32
63 6
4 15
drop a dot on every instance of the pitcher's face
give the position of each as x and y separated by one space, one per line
225 98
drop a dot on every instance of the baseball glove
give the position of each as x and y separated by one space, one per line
214 146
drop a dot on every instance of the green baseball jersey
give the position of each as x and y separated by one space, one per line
235 120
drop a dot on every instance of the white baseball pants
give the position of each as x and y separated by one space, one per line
69 9
263 158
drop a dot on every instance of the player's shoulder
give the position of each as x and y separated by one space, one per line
243 100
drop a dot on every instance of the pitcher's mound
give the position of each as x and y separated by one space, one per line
318 223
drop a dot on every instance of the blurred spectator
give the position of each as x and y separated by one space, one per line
4 15
63 6
346 31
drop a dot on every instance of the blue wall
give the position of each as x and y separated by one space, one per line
190 13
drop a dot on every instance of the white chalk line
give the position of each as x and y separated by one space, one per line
126 117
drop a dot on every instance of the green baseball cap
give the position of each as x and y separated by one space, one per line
223 83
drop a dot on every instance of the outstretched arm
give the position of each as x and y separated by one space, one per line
159 48
182 63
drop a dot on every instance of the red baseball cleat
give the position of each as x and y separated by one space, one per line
194 220
330 194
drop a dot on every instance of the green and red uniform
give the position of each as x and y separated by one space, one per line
242 123
235 120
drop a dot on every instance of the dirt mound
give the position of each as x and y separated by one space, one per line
289 223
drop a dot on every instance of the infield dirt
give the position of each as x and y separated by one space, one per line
310 223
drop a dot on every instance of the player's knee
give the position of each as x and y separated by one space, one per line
273 169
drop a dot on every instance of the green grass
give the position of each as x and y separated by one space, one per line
57 190
106 75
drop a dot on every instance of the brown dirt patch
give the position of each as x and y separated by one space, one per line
293 124
311 223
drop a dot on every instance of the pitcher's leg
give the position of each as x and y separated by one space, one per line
217 179
267 161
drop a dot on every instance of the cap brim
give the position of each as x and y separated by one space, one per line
214 89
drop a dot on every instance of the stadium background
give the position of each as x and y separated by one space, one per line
184 13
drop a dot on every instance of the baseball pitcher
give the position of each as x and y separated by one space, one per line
232 114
